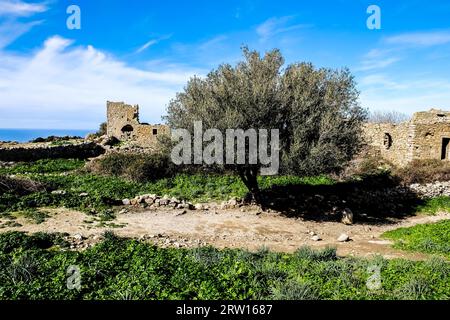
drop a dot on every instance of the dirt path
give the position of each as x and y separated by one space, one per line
234 229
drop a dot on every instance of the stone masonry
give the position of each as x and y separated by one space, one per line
123 124
425 136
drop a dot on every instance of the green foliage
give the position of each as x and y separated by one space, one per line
435 205
35 215
103 191
33 267
44 166
134 167
429 238
293 290
102 129
315 110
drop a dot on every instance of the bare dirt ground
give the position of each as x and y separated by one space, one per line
232 229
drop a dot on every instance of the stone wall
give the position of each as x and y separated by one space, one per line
430 131
392 142
123 124
45 151
425 136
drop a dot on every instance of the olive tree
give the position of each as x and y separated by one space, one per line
315 110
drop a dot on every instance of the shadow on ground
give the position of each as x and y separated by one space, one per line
372 199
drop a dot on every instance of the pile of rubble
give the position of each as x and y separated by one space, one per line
81 242
431 190
155 201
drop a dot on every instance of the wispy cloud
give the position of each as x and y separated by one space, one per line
422 39
12 23
277 25
381 80
379 63
382 92
65 83
12 30
19 8
152 42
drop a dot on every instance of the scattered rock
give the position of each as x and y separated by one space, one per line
347 216
198 206
78 237
343 238
59 192
316 238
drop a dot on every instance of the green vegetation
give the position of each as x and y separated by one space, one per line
428 238
134 167
435 205
44 166
35 267
95 193
38 216
306 104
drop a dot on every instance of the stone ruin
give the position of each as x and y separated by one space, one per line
426 136
123 124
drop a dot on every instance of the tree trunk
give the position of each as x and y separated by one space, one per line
249 177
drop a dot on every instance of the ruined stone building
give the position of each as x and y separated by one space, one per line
425 136
123 124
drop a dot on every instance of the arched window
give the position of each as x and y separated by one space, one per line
127 132
127 128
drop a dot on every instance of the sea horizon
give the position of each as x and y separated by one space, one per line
26 135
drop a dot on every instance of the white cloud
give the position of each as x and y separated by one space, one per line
12 30
379 63
146 45
12 25
381 80
19 8
275 26
380 92
65 86
423 39
152 42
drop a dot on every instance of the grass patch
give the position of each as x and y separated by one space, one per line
37 216
103 191
44 166
435 205
32 267
428 238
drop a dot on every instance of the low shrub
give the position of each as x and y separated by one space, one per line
424 171
19 186
134 167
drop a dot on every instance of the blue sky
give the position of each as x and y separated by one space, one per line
143 52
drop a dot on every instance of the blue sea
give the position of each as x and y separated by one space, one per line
25 135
